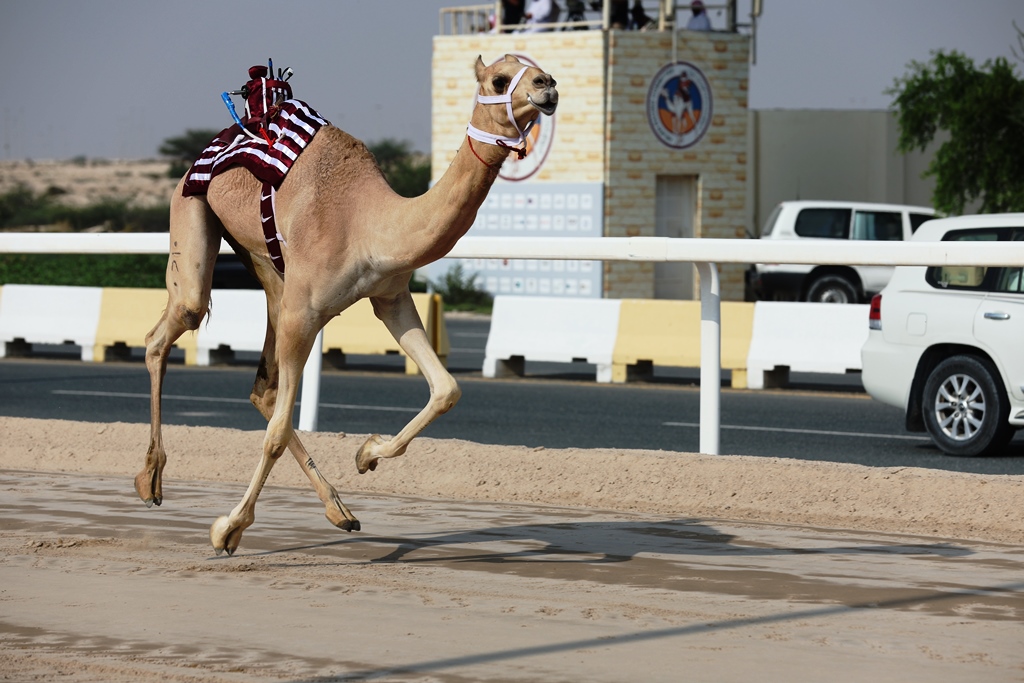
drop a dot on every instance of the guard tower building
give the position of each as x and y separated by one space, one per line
649 139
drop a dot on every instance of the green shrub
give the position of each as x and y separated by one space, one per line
460 292
84 270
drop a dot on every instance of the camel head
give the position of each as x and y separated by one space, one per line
525 91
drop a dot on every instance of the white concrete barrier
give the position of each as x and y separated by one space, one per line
50 314
804 337
237 321
551 329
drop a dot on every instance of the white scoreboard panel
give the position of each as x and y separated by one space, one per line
526 209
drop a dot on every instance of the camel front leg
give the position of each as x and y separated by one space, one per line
264 398
295 335
400 317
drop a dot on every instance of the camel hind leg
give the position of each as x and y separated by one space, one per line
195 241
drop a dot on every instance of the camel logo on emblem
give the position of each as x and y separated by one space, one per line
679 105
538 144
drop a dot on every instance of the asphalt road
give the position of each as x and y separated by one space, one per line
555 405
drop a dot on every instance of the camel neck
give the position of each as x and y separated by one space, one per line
451 205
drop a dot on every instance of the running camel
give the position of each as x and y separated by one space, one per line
348 236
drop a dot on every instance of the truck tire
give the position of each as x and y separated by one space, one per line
832 289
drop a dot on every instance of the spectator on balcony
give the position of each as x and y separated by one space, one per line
618 13
639 21
575 11
511 14
699 21
541 12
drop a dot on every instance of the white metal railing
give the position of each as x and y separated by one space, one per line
487 17
703 252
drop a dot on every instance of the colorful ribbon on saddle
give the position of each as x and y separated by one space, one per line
290 127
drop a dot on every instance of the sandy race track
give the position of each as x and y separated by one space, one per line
487 563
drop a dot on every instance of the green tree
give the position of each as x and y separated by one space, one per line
982 111
407 172
185 149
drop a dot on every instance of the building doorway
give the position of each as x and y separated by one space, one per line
675 211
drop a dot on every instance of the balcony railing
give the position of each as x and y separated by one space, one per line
664 16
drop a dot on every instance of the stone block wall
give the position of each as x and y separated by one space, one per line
636 157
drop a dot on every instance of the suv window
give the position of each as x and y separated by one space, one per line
1011 280
979 277
830 223
916 219
877 225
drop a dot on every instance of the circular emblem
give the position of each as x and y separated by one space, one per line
679 105
538 141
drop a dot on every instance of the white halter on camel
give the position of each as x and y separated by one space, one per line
506 99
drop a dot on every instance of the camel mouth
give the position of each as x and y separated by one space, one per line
547 108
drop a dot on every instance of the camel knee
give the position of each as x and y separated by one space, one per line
279 433
444 399
190 314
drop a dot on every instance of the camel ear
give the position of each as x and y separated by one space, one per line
479 67
512 58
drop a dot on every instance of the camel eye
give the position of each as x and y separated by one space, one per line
499 84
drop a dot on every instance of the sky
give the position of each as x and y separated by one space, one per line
114 78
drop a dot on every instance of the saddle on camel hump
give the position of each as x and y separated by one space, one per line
267 141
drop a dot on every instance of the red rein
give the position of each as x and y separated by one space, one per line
521 152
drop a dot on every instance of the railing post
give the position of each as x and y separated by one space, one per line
309 410
710 358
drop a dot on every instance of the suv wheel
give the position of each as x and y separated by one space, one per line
965 407
832 289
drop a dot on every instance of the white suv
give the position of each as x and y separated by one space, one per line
822 220
946 344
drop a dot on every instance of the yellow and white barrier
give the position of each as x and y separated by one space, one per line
804 337
667 333
101 319
49 314
760 342
127 314
551 329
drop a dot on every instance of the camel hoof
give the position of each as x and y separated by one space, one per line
224 536
344 523
365 459
147 487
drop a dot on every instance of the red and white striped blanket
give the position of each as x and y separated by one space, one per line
289 130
